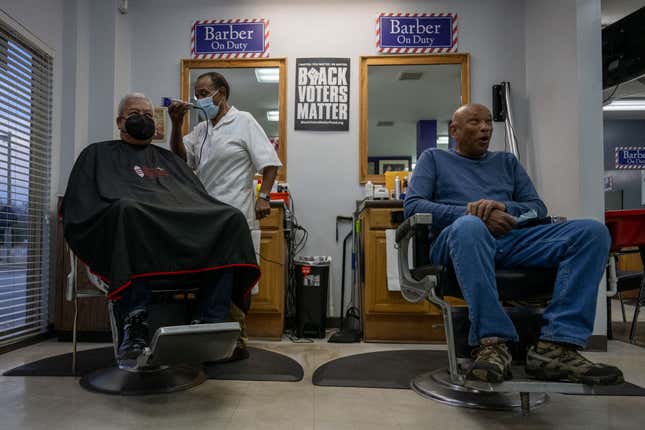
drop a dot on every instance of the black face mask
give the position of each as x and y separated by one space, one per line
140 127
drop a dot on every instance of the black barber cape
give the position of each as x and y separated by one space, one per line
133 211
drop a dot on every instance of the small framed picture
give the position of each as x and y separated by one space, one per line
386 165
371 168
160 125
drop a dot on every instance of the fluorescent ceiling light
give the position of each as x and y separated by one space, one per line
625 105
442 140
273 115
267 74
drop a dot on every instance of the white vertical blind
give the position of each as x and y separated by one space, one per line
25 158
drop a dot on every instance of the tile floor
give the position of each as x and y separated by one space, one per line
60 403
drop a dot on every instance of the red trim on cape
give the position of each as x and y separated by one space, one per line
111 295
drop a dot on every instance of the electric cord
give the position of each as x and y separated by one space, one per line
263 258
297 237
201 148
611 95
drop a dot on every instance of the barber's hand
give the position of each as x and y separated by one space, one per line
483 208
177 110
262 208
499 222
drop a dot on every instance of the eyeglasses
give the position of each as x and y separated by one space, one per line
129 114
204 94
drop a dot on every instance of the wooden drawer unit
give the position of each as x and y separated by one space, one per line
266 316
387 316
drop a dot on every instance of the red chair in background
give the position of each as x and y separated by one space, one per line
627 229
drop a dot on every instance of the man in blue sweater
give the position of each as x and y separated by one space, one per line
476 198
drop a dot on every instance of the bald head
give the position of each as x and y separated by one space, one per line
472 128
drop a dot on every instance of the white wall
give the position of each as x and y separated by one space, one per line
564 85
323 167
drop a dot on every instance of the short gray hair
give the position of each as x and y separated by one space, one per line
126 98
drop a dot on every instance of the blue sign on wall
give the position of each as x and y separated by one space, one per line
229 37
416 32
630 158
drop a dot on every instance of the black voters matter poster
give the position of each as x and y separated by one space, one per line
322 94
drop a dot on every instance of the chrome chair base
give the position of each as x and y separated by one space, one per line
128 382
437 385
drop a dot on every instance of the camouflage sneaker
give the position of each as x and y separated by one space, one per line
492 362
556 362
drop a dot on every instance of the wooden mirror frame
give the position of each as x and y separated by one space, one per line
400 60
281 63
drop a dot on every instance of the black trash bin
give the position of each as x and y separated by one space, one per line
312 285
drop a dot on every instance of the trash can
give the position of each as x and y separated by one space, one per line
312 285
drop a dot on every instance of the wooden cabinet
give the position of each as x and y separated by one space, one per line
266 316
387 316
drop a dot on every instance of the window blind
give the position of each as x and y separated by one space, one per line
25 160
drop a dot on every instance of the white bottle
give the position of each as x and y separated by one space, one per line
369 190
397 188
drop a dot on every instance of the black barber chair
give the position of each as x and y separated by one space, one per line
174 359
524 286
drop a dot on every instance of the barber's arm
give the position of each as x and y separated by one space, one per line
177 110
265 159
262 205
420 192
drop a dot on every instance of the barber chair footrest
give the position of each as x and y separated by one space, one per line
438 386
191 344
122 381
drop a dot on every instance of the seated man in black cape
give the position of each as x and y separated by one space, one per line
134 213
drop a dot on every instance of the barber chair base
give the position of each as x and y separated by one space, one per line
128 382
437 385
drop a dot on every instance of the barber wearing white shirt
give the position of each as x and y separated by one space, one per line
227 158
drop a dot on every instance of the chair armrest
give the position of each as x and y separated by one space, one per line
70 286
411 225
415 229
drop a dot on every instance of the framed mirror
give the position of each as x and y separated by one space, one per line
258 86
406 103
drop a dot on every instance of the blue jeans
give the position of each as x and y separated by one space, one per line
578 249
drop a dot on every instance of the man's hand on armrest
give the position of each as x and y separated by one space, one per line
483 208
499 222
494 215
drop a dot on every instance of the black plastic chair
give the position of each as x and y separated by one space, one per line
433 283
625 280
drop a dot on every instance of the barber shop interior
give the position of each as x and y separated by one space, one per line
279 214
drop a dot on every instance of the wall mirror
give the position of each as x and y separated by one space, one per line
258 86
405 106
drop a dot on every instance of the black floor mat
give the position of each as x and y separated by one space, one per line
61 365
382 369
262 365
396 369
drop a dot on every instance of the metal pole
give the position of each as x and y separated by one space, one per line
511 138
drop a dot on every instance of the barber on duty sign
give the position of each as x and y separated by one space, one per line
630 158
416 33
230 38
322 94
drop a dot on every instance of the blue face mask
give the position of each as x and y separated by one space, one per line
209 108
